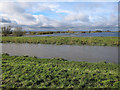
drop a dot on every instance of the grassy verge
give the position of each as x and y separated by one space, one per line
93 41
31 72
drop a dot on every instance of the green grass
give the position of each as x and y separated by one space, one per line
31 72
92 41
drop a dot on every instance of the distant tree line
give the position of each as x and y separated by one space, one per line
8 31
97 31
48 32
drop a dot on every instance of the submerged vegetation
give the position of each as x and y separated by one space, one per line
92 41
31 72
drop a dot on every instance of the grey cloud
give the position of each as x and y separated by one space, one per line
16 11
4 20
77 17
11 8
28 17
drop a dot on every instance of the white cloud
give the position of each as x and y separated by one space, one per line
10 8
38 7
44 21
104 22
113 20
77 17
20 13
64 11
16 12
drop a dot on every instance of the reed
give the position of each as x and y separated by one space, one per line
92 41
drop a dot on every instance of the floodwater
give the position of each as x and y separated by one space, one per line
69 52
102 34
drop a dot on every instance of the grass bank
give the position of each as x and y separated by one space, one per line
31 72
93 41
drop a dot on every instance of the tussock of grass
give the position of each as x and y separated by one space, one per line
92 41
30 72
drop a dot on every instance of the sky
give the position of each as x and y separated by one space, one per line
60 15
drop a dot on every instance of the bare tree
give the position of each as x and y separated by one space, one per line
6 30
18 32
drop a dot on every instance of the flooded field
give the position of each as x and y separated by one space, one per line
69 52
101 34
